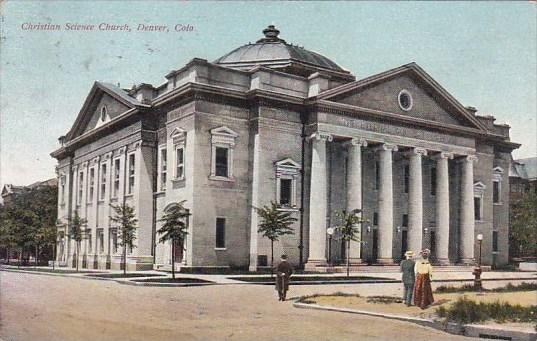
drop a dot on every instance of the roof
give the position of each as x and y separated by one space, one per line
13 189
119 92
524 168
272 51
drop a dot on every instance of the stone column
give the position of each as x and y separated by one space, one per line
385 198
317 203
354 190
467 220
415 201
442 207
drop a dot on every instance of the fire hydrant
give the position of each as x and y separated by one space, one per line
477 280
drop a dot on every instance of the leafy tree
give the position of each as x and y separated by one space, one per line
7 234
274 224
77 225
46 236
349 229
523 231
174 227
125 220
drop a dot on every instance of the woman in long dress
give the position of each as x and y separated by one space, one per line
423 293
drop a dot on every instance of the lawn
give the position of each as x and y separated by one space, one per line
183 280
58 271
128 275
315 279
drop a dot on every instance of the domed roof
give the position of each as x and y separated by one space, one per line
274 52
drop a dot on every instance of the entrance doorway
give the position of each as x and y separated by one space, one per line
179 251
404 243
374 249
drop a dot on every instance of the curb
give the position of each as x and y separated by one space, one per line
471 330
149 284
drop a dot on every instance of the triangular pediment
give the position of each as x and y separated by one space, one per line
288 163
407 91
104 103
224 131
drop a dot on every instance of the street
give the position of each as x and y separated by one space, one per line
37 307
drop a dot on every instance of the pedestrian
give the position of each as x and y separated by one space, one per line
284 270
408 278
423 293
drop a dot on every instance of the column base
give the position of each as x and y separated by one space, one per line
355 261
467 261
385 261
252 268
312 264
443 261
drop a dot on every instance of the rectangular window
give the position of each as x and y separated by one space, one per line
116 177
286 191
477 208
179 162
377 175
131 173
90 244
220 233
407 178
62 183
375 219
495 241
103 181
80 186
405 220
163 168
221 161
496 192
113 237
433 181
91 184
100 240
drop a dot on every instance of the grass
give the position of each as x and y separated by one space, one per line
59 271
265 279
171 280
384 299
129 275
524 286
465 310
309 298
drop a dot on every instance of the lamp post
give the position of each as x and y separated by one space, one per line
477 270
330 232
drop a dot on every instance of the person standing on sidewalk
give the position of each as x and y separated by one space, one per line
284 270
407 268
423 293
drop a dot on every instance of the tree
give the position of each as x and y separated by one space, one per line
47 236
77 224
274 224
7 234
349 229
125 221
523 231
174 227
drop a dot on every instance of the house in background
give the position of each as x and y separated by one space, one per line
10 191
273 121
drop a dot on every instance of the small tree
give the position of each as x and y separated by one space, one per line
349 229
523 231
125 220
77 225
274 224
174 227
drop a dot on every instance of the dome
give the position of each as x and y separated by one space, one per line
274 52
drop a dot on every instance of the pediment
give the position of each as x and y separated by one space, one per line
288 163
224 131
428 100
104 103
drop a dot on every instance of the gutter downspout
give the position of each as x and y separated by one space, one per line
302 184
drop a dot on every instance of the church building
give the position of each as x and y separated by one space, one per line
269 122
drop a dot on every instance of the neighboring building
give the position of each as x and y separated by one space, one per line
523 177
271 121
10 191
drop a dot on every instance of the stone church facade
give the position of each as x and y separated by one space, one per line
271 121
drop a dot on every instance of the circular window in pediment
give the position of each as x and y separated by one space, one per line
405 100
103 113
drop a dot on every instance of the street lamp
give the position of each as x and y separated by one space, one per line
330 231
477 270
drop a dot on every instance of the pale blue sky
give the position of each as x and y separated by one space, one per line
483 53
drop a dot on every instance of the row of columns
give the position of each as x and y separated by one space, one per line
318 201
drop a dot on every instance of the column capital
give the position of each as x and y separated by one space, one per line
321 136
356 141
419 151
470 158
443 155
388 147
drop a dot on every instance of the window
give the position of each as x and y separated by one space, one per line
220 233
103 181
495 241
375 219
221 162
116 177
222 144
91 184
377 175
80 186
405 100
405 220
287 172
90 244
131 173
433 180
179 162
477 208
113 238
163 168
496 192
406 177
100 240
62 189
104 112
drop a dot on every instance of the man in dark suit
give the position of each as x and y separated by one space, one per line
407 268
284 270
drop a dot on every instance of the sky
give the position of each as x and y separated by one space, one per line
483 53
